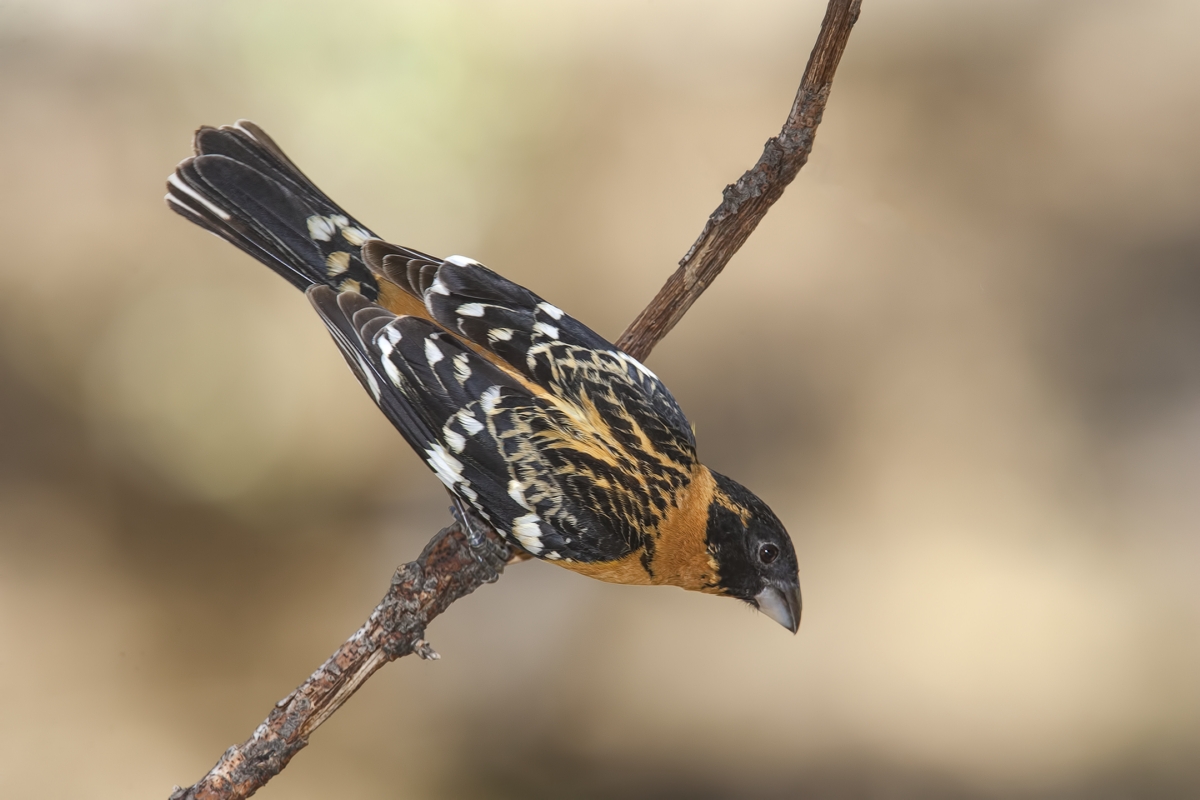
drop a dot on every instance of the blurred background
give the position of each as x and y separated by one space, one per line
959 358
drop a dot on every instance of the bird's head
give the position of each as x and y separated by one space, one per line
754 554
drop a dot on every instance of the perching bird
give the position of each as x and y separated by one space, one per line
568 447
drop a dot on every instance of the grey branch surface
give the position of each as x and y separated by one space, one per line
449 568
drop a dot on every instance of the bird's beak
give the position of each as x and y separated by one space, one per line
781 604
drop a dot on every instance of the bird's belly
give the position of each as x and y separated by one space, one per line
628 569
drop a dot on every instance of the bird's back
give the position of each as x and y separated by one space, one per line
556 437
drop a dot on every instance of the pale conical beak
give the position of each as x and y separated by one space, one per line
781 604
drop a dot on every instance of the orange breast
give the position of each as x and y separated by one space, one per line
681 556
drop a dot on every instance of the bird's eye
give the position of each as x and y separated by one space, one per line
768 553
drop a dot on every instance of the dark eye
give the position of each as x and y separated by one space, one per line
768 553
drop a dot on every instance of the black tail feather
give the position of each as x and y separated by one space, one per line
242 187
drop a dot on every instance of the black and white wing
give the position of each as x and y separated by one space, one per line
588 439
541 343
480 430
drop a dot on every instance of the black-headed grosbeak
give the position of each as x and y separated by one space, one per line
570 448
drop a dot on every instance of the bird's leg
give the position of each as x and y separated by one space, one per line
463 514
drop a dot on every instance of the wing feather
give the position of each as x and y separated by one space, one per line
536 339
554 481
556 437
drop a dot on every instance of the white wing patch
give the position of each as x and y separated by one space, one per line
322 229
488 400
500 335
526 531
546 329
355 235
553 311
516 490
445 466
337 263
432 354
455 439
462 367
386 341
468 421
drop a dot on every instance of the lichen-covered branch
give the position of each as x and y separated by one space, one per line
747 201
449 567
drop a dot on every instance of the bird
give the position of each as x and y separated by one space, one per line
572 450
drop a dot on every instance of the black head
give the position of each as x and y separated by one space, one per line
754 554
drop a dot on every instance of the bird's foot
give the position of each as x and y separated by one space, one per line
464 517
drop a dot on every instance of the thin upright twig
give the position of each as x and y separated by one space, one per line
449 567
747 201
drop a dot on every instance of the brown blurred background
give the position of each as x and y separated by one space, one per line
959 358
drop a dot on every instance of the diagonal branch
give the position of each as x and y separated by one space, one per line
449 568
747 201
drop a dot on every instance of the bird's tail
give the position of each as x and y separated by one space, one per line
240 186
